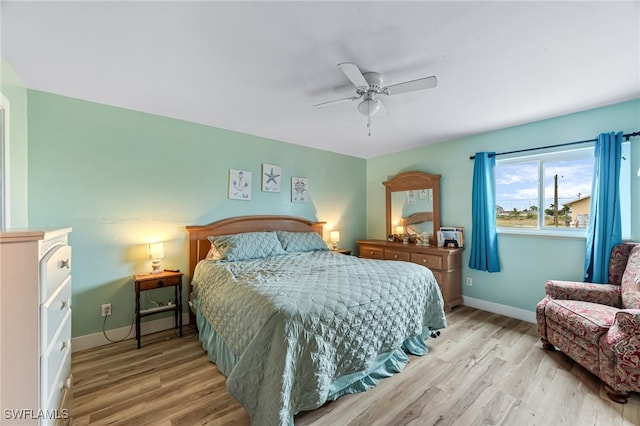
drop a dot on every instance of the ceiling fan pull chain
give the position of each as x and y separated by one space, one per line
369 123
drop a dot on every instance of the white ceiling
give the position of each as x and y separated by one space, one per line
258 67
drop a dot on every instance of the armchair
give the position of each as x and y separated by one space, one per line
598 325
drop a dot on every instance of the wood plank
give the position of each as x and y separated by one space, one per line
483 369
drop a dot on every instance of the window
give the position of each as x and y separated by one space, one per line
551 192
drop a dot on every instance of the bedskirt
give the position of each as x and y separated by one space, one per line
385 365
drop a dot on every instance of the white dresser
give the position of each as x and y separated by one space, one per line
35 327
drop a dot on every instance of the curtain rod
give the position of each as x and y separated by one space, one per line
626 136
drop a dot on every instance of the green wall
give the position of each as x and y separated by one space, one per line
15 93
526 261
122 178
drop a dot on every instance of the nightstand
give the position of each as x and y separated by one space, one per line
152 281
343 251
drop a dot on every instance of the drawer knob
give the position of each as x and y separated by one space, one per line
65 264
66 384
395 256
63 304
64 345
160 283
371 252
424 260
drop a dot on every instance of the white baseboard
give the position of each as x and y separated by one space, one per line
496 308
97 339
94 340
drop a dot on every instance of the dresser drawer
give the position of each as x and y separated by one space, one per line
52 312
66 401
397 255
428 260
55 364
60 397
371 252
54 268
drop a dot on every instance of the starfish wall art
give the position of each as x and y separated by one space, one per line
271 178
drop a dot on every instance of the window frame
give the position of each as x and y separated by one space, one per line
563 154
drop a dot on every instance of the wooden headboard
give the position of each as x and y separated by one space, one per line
199 245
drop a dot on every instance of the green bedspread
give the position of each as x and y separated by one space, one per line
299 322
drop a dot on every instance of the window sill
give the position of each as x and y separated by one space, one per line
543 233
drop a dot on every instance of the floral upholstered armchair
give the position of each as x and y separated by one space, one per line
598 325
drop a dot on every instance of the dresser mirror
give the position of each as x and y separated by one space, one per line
413 204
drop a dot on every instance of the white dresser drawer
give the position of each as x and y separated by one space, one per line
64 409
52 313
55 404
52 361
54 268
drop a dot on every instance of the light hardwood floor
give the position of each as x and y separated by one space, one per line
484 369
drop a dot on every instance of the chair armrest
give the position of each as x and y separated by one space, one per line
626 326
604 294
628 320
619 351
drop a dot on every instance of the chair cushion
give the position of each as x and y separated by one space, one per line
585 320
630 284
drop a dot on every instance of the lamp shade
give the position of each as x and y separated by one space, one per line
156 250
334 236
399 229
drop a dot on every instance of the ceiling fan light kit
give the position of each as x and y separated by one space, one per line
370 84
369 106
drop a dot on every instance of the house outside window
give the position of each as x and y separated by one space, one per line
550 193
579 212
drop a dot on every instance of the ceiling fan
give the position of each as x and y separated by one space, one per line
369 86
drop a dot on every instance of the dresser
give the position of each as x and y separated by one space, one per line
445 263
35 327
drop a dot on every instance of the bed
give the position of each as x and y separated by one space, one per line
292 324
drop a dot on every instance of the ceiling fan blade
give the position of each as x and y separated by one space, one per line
337 102
410 86
353 74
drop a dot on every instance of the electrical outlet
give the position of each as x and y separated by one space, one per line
469 281
106 309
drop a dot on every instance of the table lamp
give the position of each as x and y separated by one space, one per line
156 252
334 237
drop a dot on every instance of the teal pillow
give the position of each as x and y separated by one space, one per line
248 245
294 242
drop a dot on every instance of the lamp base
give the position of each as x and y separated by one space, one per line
155 266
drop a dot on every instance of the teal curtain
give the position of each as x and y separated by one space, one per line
605 221
484 239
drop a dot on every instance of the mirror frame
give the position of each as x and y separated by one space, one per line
415 180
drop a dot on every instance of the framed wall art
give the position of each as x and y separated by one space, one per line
271 178
299 190
239 185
